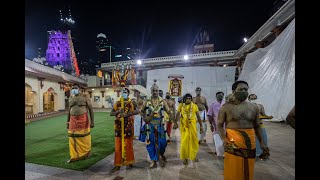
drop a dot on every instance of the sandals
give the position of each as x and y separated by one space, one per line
116 168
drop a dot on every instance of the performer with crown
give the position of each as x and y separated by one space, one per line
154 129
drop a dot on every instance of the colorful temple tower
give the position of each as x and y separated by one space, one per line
61 51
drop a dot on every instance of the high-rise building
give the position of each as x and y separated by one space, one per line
104 49
203 43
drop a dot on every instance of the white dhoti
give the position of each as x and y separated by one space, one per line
137 125
203 116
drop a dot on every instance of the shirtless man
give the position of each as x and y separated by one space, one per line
78 124
241 119
172 107
262 115
203 109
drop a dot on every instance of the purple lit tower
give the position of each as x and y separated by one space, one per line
58 52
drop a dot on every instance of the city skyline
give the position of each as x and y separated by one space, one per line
158 30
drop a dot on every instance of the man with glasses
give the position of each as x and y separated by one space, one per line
202 104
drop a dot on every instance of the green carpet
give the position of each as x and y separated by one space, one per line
46 142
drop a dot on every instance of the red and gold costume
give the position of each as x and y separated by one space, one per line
128 135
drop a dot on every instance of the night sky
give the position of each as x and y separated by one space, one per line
159 28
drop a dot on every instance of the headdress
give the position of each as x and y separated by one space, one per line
154 85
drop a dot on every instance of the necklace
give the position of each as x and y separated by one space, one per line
190 109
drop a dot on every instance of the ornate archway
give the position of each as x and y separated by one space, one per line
49 100
29 99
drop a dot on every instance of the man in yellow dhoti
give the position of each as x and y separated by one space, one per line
242 123
78 125
188 128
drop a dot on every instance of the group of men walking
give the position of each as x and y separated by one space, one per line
235 121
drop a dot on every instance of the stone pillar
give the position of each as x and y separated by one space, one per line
102 100
277 30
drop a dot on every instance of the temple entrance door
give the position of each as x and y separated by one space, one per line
28 99
48 100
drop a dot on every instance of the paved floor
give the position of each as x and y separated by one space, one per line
280 166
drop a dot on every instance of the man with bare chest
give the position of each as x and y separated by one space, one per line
242 123
203 109
172 107
78 124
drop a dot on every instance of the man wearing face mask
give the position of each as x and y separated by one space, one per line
214 111
202 104
171 104
127 113
262 115
242 123
78 124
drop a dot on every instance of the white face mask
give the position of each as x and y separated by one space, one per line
253 101
125 95
75 91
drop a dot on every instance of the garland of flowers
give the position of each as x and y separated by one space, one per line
152 108
190 109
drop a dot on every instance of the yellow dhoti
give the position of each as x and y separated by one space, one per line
79 137
239 156
189 139
188 128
